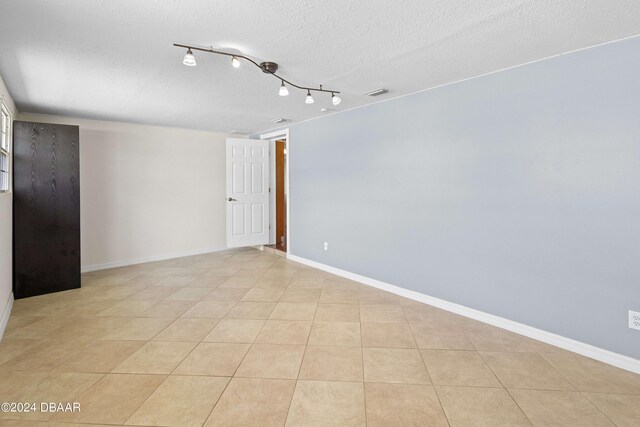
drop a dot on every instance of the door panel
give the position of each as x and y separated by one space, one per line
247 192
281 207
46 208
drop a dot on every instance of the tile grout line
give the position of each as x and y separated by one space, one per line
213 407
597 407
513 399
148 397
425 366
446 417
465 333
237 367
542 355
364 384
303 355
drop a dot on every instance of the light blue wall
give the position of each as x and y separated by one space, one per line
516 193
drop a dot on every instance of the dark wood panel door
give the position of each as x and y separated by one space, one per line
281 200
46 208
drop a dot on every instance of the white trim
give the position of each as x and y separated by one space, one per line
284 134
456 81
124 263
9 150
281 133
5 315
606 356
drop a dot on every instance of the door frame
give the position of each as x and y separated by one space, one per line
272 137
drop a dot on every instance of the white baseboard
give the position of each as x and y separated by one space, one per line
606 356
124 263
5 315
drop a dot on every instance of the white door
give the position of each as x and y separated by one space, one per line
247 192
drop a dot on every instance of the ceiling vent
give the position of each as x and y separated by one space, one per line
280 120
376 92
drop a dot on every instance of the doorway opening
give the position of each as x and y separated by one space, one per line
279 191
280 154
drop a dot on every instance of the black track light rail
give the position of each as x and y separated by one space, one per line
264 66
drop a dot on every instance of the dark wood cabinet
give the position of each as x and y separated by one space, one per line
46 208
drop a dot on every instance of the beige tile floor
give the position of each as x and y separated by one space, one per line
245 337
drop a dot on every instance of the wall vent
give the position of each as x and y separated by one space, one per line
376 92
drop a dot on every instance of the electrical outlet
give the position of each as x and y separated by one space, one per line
326 246
634 320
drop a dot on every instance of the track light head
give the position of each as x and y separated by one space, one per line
335 99
235 62
283 90
309 99
189 60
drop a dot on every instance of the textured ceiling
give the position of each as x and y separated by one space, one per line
114 59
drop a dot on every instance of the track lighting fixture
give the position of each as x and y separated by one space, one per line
283 90
189 60
266 67
309 99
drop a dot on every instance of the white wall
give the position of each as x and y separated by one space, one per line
6 227
147 192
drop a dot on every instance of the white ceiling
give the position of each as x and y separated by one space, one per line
114 60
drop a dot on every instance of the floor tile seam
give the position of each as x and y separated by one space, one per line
558 371
584 396
513 399
364 389
301 362
219 398
147 399
197 344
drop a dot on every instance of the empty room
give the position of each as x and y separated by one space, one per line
336 213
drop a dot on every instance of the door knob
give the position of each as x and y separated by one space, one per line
231 200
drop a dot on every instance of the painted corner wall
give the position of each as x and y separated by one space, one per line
515 193
147 192
6 232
